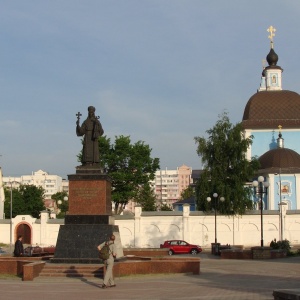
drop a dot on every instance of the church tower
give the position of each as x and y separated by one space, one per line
271 106
269 109
271 75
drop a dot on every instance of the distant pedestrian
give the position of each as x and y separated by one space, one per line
19 249
109 263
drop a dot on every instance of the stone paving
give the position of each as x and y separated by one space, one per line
219 279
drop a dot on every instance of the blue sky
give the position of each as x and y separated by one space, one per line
160 71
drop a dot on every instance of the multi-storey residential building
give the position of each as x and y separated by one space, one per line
51 183
65 186
168 184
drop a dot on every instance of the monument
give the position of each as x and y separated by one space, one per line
89 220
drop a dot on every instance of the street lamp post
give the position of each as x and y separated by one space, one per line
261 188
60 202
10 228
10 224
279 206
215 195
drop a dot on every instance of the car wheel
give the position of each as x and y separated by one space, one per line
171 252
194 251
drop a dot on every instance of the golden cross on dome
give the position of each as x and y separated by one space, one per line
279 127
272 31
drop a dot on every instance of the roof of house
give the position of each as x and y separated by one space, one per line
190 200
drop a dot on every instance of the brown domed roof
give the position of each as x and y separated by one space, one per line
280 160
268 109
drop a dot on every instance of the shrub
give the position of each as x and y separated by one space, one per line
283 245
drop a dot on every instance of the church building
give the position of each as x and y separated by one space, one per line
271 112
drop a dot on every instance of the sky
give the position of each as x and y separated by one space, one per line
159 71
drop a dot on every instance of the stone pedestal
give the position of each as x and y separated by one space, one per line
89 221
89 194
78 243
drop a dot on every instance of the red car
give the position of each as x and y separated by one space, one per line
181 247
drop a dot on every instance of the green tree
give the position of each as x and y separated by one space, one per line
226 169
187 193
63 206
146 198
17 202
33 198
27 200
129 166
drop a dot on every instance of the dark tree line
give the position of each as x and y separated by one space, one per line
26 200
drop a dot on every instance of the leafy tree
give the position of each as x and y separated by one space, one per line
129 166
33 197
226 169
27 200
146 198
17 202
187 193
64 206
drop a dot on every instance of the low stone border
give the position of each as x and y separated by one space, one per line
149 252
286 294
12 266
32 270
150 265
236 254
254 253
27 267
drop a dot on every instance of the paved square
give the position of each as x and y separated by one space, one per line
219 279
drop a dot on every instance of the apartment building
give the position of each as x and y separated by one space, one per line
168 184
50 183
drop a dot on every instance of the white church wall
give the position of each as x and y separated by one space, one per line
292 225
127 232
5 233
150 230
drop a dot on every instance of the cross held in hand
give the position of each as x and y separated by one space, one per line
78 115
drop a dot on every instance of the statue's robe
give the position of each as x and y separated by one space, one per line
91 128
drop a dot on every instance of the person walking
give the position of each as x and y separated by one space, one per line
19 249
109 263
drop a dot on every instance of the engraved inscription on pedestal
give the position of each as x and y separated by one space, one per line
89 197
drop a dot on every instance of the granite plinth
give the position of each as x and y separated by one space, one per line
85 169
78 243
88 176
89 219
88 222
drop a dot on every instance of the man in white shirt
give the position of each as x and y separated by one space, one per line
109 277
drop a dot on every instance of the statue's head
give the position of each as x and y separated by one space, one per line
91 109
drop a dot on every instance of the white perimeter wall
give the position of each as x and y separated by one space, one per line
150 229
